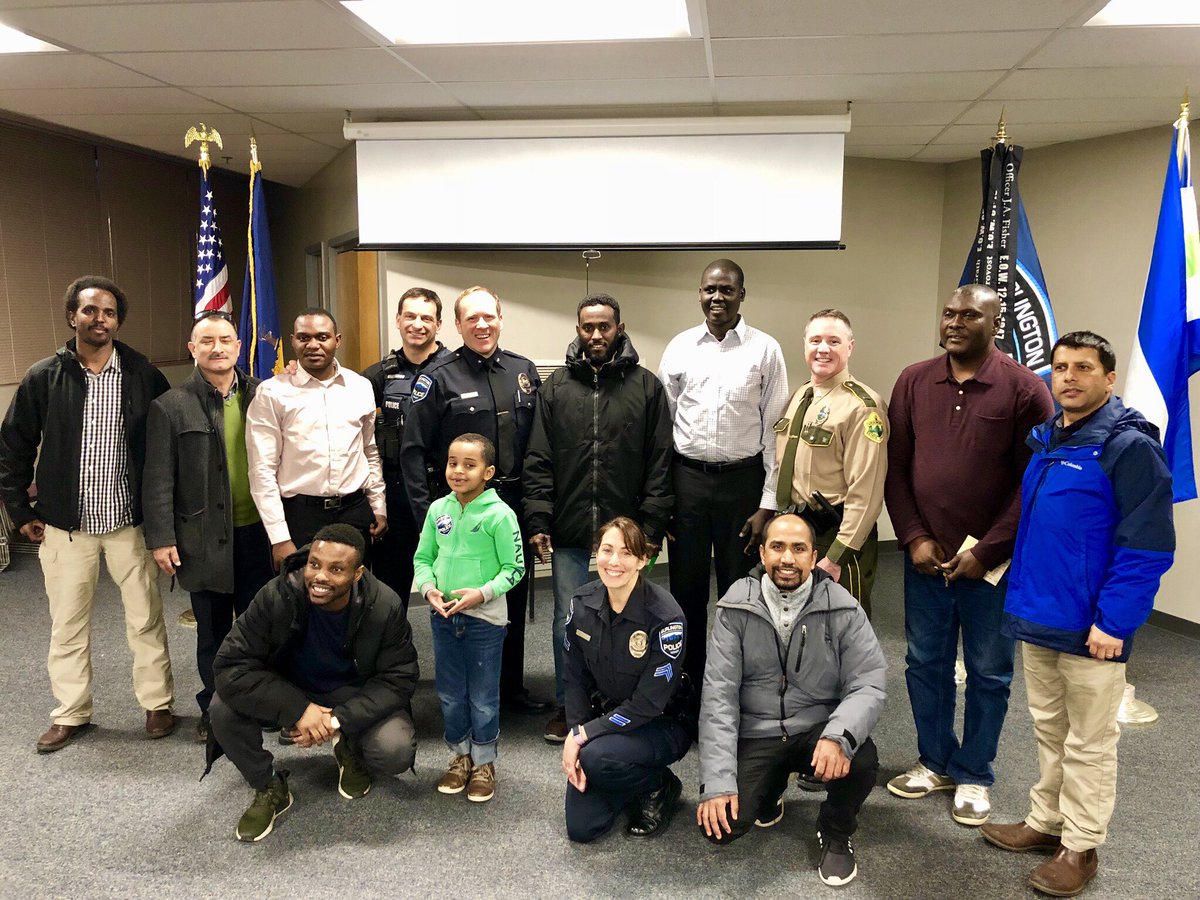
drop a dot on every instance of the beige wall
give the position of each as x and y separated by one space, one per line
1093 208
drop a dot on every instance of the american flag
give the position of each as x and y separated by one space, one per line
212 275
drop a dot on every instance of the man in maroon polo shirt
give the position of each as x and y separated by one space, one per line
955 458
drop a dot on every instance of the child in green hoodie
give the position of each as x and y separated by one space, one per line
468 558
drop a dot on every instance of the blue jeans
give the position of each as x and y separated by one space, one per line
933 614
569 568
466 657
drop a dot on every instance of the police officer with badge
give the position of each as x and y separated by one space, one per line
418 318
832 449
482 389
626 694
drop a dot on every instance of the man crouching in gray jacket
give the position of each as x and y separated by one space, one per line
795 682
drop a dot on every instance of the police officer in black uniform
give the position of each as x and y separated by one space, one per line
483 389
626 691
418 318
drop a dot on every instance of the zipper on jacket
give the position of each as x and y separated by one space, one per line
803 639
595 448
781 651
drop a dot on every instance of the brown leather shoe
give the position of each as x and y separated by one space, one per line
1066 873
159 723
59 736
1019 837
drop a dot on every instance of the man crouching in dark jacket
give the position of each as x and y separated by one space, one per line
324 647
795 682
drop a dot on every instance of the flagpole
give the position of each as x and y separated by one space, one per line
255 168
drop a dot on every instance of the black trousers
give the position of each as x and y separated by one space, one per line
388 747
620 769
305 516
763 768
392 555
512 660
710 510
215 611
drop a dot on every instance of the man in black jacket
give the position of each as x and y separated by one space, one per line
600 448
201 522
86 409
324 648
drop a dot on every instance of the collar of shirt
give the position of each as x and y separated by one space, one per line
635 606
840 378
303 377
739 330
982 374
482 362
113 364
776 598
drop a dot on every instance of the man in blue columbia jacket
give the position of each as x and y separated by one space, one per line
1095 537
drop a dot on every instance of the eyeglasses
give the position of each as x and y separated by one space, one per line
215 314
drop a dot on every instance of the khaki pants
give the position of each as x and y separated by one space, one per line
1074 702
71 565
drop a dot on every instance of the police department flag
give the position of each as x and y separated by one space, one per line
262 349
1005 259
1167 349
212 275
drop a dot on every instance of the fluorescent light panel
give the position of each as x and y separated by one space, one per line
13 41
521 21
1148 12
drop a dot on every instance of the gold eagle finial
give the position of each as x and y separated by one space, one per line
203 134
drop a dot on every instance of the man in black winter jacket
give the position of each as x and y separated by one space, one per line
600 448
80 416
324 649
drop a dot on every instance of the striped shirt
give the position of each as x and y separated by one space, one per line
725 396
105 498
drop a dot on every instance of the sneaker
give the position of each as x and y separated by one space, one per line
354 780
557 729
456 776
482 786
971 804
919 781
268 805
773 816
837 865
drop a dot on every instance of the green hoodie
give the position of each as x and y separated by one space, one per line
476 547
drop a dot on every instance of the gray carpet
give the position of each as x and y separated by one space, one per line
116 815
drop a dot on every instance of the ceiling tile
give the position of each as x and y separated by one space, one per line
629 111
304 121
591 93
271 67
1038 84
1019 113
317 98
872 53
884 151
933 86
1040 133
554 62
45 103
1119 47
65 70
932 113
256 25
747 18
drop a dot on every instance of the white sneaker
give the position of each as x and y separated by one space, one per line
971 804
919 781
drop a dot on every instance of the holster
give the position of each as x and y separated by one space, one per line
822 515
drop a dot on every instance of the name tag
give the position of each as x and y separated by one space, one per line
468 395
583 634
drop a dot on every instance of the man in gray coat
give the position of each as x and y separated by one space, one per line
795 682
201 522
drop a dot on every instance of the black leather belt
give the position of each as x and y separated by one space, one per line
329 502
715 467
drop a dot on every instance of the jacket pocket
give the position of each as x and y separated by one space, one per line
189 534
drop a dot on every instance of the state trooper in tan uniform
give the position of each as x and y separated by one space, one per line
832 449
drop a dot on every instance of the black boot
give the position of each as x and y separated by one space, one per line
654 811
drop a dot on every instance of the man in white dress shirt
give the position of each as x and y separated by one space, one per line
726 385
310 441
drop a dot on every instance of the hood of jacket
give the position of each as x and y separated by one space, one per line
624 358
1108 421
747 593
66 353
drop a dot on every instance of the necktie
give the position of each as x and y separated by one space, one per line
783 489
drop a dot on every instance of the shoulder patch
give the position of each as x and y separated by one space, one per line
670 639
873 428
860 392
420 389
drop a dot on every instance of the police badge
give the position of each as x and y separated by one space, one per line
638 641
524 384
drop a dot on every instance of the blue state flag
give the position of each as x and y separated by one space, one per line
1167 350
262 345
1005 259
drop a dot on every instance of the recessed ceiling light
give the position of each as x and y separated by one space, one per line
1148 12
13 41
521 21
